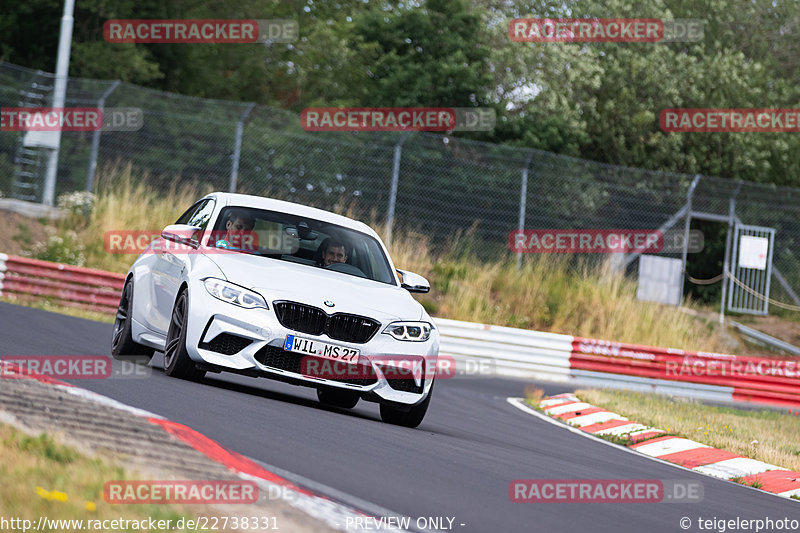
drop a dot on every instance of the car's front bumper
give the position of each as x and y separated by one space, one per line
264 356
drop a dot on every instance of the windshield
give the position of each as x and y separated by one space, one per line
302 240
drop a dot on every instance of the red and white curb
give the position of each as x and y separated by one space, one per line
695 456
333 513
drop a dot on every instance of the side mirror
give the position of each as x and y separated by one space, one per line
182 233
413 282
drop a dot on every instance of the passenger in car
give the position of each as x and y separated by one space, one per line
238 231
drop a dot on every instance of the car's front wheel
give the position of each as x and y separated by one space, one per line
338 398
177 362
411 418
122 345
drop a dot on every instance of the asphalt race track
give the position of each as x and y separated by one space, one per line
458 463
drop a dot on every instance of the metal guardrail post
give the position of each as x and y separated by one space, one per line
237 148
96 139
393 192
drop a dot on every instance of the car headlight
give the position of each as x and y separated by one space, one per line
234 294
409 331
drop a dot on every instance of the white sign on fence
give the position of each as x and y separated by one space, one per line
753 252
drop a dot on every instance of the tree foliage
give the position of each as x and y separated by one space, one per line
598 101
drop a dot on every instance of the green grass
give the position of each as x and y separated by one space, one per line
42 477
763 434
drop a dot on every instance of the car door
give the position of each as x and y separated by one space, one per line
172 262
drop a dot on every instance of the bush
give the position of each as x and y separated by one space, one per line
63 247
77 203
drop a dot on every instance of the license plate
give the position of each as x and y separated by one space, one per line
321 349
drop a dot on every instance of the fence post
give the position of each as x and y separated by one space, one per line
96 139
523 201
726 261
59 97
398 148
686 228
237 149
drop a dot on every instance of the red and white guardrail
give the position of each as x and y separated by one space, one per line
496 349
752 379
70 286
592 362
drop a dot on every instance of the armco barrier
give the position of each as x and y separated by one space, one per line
70 286
752 379
505 351
580 361
511 351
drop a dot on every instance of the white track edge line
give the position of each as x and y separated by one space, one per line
107 401
519 403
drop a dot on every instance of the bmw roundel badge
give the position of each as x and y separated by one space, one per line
329 303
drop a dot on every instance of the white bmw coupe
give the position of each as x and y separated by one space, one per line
275 289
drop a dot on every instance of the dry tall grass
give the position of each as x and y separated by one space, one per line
128 202
546 294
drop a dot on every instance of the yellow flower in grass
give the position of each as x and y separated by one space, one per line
51 495
90 506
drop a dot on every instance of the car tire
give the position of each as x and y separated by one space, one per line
335 398
411 418
122 345
177 363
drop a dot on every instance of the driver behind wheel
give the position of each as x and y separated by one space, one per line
332 251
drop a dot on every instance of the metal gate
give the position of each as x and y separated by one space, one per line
751 269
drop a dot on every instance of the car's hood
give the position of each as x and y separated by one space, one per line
282 280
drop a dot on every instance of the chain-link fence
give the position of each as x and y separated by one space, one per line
436 184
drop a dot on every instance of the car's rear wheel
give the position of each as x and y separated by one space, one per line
177 362
411 418
338 398
122 345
